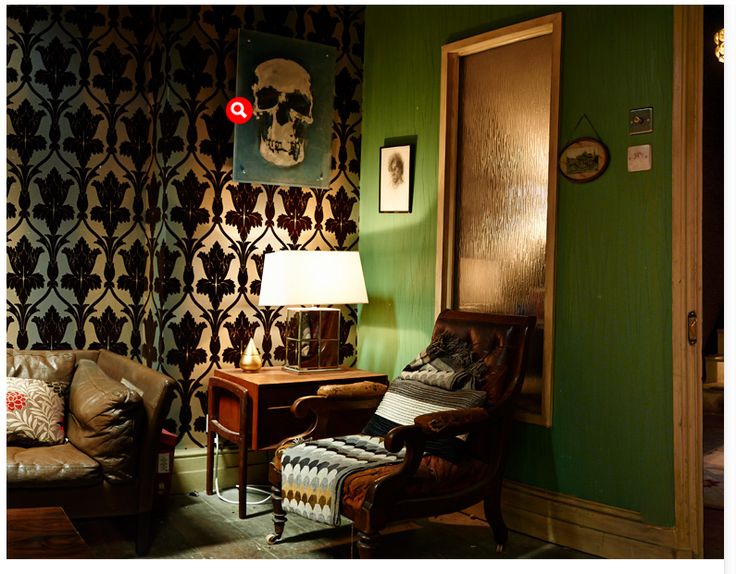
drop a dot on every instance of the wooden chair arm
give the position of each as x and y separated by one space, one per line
329 399
361 389
452 423
323 406
413 438
410 437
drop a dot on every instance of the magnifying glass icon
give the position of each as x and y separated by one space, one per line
239 110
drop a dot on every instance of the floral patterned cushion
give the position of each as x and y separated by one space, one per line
35 412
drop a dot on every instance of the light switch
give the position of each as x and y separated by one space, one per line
640 157
641 121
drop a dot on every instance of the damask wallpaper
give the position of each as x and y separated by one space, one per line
125 230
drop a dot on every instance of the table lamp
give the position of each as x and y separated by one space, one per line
302 280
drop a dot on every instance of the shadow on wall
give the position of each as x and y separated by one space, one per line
377 321
398 255
543 466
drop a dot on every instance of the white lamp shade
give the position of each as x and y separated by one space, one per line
312 278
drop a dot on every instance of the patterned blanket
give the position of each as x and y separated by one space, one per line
447 363
313 472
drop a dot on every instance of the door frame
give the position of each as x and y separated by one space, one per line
687 112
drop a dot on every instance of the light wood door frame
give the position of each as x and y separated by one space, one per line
687 390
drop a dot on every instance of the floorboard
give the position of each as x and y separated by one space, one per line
713 530
197 526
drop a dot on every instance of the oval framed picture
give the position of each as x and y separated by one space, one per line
583 160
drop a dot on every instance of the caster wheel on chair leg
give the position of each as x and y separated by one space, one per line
272 538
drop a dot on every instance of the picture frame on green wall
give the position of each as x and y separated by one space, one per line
583 160
395 181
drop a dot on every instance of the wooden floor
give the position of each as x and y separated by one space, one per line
713 530
200 526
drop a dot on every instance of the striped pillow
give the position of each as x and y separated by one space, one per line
405 400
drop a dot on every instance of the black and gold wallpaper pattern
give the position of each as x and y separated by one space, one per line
125 230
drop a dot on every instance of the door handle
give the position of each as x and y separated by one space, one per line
692 327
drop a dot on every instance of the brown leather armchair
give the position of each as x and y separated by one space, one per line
424 485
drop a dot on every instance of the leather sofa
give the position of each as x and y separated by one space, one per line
107 464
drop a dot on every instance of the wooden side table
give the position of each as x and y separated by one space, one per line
252 410
44 532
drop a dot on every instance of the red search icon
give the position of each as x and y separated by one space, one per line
239 110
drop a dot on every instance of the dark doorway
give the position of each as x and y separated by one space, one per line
713 284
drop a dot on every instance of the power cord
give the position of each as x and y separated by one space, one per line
248 488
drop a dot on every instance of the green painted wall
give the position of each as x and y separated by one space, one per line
611 439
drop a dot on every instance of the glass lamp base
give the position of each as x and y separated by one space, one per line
312 339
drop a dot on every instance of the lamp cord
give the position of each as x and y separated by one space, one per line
248 488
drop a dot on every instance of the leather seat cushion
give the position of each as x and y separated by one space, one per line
44 466
434 476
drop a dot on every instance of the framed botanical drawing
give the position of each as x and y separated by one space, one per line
290 84
395 180
498 186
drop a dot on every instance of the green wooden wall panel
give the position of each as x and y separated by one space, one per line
611 439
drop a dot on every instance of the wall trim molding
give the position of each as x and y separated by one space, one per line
584 525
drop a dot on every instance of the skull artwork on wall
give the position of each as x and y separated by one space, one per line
283 110
291 86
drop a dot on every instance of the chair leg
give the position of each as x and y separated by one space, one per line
492 508
367 544
143 533
279 516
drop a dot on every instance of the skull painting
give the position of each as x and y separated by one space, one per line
283 110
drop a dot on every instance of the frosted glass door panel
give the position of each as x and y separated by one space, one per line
503 140
498 186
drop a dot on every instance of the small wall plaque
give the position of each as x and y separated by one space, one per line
583 160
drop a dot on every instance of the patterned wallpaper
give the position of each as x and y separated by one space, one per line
125 230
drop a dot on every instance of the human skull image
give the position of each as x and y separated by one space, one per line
283 110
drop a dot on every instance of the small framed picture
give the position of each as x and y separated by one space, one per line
394 195
583 160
